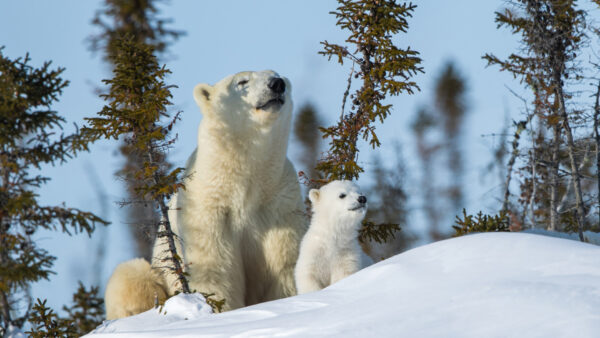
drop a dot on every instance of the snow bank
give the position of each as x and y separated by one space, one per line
485 285
176 309
588 236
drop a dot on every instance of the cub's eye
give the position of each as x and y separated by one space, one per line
342 195
242 82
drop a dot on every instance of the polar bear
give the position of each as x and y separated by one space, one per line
240 217
330 250
133 288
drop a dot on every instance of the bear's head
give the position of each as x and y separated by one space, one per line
247 98
339 202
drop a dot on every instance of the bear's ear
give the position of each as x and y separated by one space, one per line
203 94
313 195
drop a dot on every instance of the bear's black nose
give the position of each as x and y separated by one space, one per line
277 85
362 199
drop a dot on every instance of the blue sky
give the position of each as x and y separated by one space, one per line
224 37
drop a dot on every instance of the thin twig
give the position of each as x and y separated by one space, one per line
521 125
575 169
166 224
597 136
533 175
553 170
347 91
559 208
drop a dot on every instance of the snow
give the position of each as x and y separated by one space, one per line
588 236
483 285
176 309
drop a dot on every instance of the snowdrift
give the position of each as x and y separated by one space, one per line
484 285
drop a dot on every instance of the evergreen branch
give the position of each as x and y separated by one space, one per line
383 68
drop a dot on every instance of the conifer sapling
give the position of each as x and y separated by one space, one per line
30 137
383 69
136 102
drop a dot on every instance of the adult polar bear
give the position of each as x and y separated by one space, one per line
240 217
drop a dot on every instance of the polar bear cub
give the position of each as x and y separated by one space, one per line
330 250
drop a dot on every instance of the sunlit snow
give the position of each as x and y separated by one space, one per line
484 285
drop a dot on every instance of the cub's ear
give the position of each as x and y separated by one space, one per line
313 195
203 94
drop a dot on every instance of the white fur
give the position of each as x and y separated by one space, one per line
330 250
134 287
240 217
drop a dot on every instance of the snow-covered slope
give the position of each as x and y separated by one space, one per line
485 285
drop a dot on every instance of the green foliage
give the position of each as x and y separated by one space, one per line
215 304
26 264
139 19
28 139
45 323
438 129
87 311
136 101
552 33
84 315
306 132
424 122
383 68
388 211
450 99
451 104
481 223
379 233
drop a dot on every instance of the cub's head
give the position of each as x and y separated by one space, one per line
247 98
340 200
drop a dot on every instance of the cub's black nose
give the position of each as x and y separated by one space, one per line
277 85
362 199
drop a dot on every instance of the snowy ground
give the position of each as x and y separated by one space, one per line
485 285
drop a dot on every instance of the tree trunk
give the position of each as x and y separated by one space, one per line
4 302
580 211
597 137
5 308
553 172
166 225
511 162
4 227
533 185
164 210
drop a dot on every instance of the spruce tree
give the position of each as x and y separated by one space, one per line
383 70
438 129
422 126
137 103
306 132
140 20
137 18
30 137
450 102
596 117
552 33
388 204
480 223
46 323
84 315
382 67
86 312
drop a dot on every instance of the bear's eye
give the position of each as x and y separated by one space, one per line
242 82
342 195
